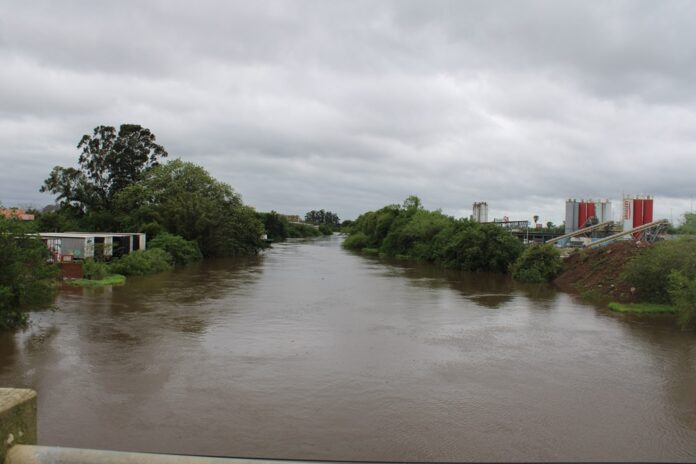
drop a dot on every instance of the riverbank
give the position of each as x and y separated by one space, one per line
596 273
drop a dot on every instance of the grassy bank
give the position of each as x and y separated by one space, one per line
642 308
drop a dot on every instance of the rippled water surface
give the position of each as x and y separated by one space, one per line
311 352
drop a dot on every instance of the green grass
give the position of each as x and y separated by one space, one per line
642 308
113 279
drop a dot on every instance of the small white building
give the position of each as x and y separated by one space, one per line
68 246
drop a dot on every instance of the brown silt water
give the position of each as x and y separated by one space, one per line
311 352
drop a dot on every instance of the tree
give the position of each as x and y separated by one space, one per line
184 199
276 225
322 217
25 276
536 219
688 227
537 263
109 162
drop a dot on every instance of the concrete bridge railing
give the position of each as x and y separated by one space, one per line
18 441
17 418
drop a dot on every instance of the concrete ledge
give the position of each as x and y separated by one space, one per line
25 454
17 418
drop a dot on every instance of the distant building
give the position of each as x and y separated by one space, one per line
292 217
16 213
480 212
71 246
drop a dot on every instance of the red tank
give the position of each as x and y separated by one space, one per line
647 211
591 212
637 212
582 214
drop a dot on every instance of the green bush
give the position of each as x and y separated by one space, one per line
412 232
325 229
538 263
143 262
181 250
302 231
356 241
682 292
649 272
26 280
94 270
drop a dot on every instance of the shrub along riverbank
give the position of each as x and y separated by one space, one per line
411 232
637 277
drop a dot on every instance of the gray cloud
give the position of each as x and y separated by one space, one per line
352 105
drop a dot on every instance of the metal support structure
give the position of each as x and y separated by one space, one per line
579 232
648 232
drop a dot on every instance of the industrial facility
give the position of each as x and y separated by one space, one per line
585 213
480 212
637 211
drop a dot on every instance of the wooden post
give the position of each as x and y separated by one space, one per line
17 418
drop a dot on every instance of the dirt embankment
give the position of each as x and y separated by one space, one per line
597 271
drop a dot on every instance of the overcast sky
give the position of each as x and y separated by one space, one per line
349 106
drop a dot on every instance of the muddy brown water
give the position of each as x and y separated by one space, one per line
309 351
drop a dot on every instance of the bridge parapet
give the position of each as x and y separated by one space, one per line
17 418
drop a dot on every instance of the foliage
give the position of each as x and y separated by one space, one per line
538 263
302 231
26 280
688 227
682 292
322 217
95 270
356 241
411 231
143 262
649 271
276 225
187 201
109 163
325 229
181 250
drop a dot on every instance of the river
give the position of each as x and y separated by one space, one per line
309 351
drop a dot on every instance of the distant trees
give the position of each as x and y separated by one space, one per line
412 232
276 225
322 217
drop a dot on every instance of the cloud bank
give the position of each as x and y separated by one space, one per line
352 105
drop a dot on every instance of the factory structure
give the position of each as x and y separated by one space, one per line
583 213
480 212
637 211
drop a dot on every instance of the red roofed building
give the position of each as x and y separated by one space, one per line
16 213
